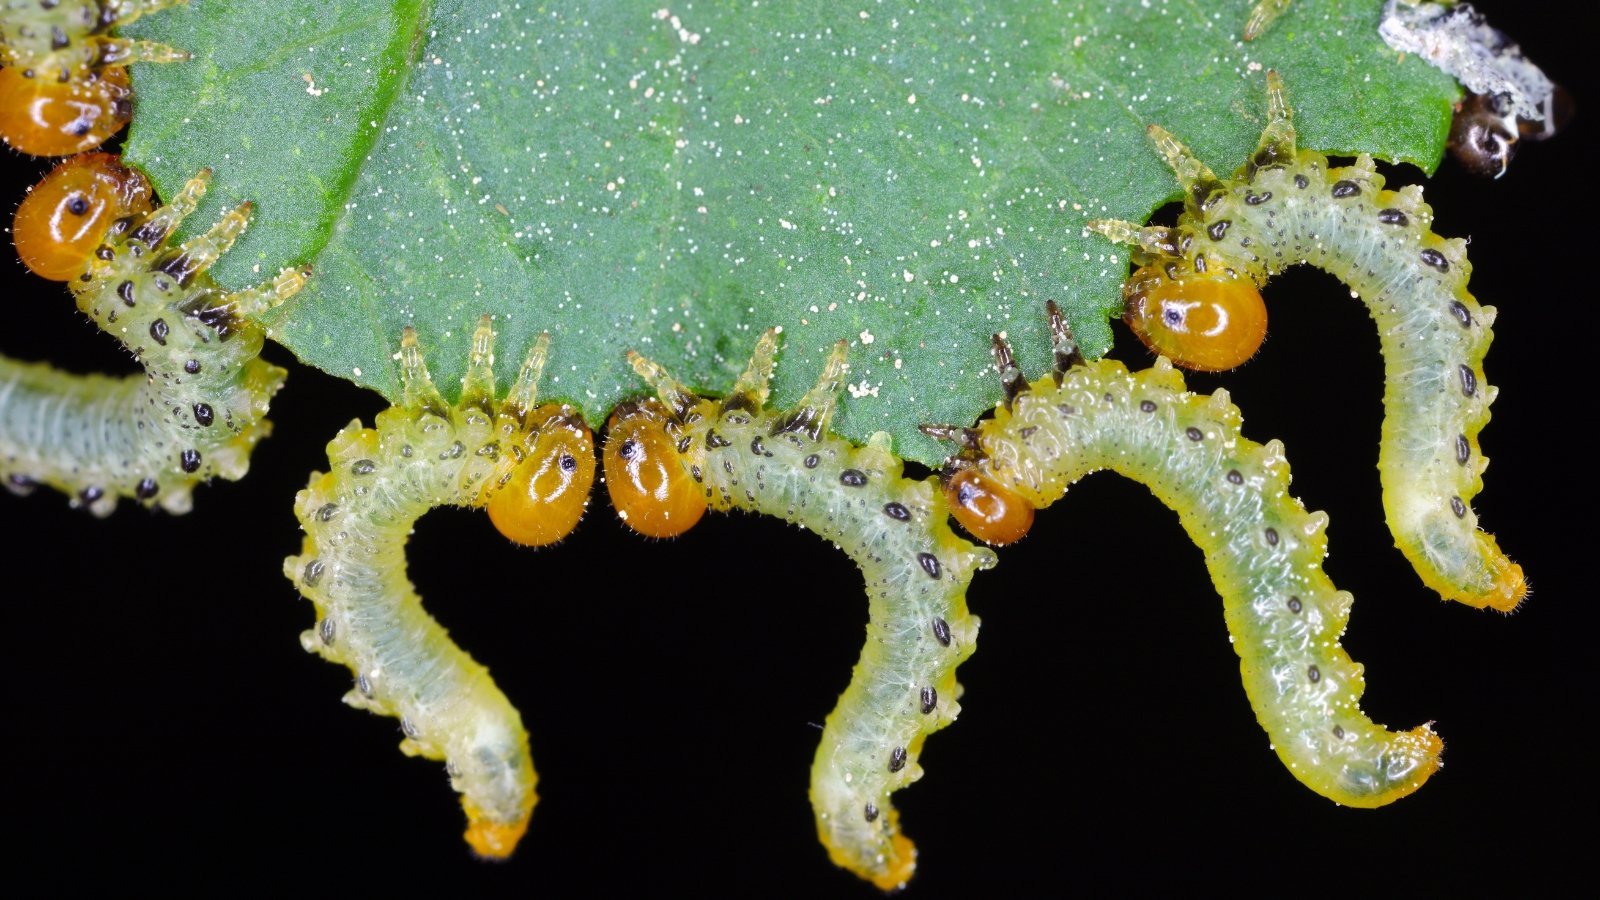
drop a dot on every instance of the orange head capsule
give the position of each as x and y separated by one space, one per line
65 218
549 489
649 487
989 511
45 116
1207 321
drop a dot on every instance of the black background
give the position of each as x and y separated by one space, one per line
162 727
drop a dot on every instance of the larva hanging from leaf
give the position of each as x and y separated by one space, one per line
197 410
1286 206
64 87
532 466
741 455
1263 549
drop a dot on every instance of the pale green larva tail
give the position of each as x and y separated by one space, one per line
1263 549
423 454
1287 206
787 465
197 410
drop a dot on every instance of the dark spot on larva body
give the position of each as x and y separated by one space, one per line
363 467
1027 432
685 443
364 685
896 511
328 631
929 563
192 367
897 759
1338 732
1295 605
1194 434
716 441
91 494
853 478
1257 199
694 471
204 414
871 813
125 291
1148 406
758 448
1216 230
1457 507
1066 409
1234 477
1462 314
1393 217
1463 449
146 488
811 461
1344 189
327 512
159 330
1435 259
941 630
312 573
1469 381
1272 537
189 460
1314 673
930 699
1302 182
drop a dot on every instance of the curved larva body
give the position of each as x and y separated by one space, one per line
1285 207
1264 552
749 458
357 517
197 410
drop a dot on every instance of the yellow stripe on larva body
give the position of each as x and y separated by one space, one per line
1287 206
746 457
1264 552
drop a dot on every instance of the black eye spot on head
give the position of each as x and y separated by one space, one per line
569 464
78 205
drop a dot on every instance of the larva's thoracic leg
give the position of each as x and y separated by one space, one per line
746 457
64 85
1286 206
197 411
420 455
1263 549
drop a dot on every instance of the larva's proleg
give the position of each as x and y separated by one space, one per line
64 87
197 410
1286 206
744 456
1264 551
534 461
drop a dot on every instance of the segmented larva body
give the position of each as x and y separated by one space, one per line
420 455
64 87
1286 206
1264 551
195 413
746 457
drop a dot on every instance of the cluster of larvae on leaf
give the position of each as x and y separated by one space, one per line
198 410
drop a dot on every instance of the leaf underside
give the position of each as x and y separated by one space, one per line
627 175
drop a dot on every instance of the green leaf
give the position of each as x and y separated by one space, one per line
628 175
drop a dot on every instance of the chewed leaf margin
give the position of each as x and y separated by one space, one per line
674 181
